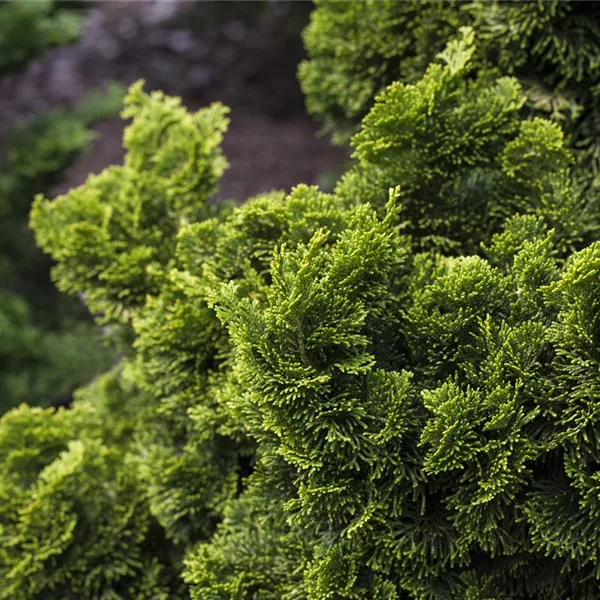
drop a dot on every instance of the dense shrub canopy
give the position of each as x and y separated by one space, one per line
552 47
465 160
74 521
323 397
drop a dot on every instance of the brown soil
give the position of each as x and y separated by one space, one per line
247 59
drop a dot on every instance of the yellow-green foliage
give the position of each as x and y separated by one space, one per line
320 399
123 246
552 47
74 522
464 160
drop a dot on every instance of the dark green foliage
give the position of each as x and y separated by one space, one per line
552 47
47 347
42 365
322 398
254 532
28 27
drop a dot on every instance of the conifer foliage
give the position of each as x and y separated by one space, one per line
321 397
28 28
464 159
552 47
74 521
48 346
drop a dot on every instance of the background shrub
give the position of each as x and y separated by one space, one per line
29 28
48 345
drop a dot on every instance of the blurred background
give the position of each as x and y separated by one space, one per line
64 67
244 53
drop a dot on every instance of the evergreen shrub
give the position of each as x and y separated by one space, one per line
48 344
74 522
356 49
323 397
29 27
